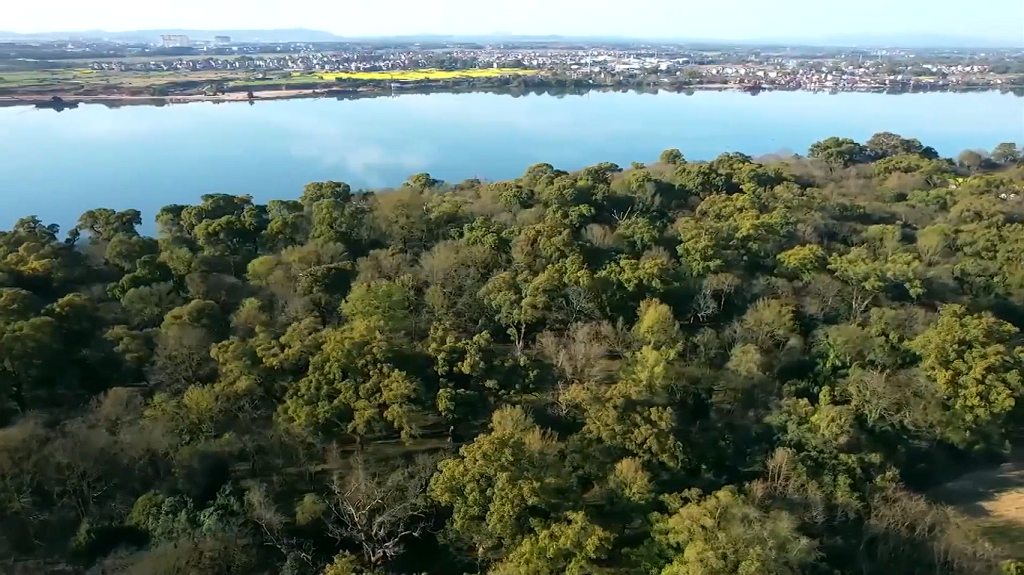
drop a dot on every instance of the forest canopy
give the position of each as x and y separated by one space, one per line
739 366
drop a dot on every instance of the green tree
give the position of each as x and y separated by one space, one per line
573 547
502 486
724 534
885 144
354 385
838 152
30 356
972 359
329 190
104 224
870 275
636 416
672 157
1006 153
731 232
803 261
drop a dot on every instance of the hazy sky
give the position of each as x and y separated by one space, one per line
1001 20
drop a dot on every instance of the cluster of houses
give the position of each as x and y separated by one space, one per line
373 60
847 76
876 72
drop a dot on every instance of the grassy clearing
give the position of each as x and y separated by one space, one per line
996 498
44 78
1009 535
1004 521
85 79
284 80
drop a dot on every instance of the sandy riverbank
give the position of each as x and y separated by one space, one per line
71 100
32 99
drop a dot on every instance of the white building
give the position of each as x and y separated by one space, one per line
175 41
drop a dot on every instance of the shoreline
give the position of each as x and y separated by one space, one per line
45 100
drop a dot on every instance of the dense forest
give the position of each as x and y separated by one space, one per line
689 368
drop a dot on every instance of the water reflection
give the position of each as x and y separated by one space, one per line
351 149
58 165
557 92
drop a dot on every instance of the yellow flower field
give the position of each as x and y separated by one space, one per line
426 74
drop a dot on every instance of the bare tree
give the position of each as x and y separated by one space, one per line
262 511
704 306
581 354
584 354
379 509
182 358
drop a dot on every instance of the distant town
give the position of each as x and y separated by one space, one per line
178 65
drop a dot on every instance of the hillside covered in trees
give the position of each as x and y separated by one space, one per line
690 368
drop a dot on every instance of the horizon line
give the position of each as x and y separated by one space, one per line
853 39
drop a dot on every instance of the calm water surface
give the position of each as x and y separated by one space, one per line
56 166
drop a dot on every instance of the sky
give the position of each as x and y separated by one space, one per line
997 20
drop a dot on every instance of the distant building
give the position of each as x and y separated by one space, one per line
175 41
221 40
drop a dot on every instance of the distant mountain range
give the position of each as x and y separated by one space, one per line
903 41
282 35
307 35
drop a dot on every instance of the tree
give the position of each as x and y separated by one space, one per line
838 152
340 221
104 224
767 324
502 481
182 353
354 385
637 415
147 305
656 326
885 144
386 303
455 273
29 361
124 250
1006 153
423 181
803 261
699 179
724 534
972 359
731 231
520 301
672 157
572 547
970 160
330 190
869 275
934 171
379 510
288 225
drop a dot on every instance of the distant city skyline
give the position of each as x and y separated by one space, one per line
998 21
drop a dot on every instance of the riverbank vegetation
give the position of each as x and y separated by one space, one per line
74 83
730 367
110 86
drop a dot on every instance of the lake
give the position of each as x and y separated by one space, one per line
58 165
